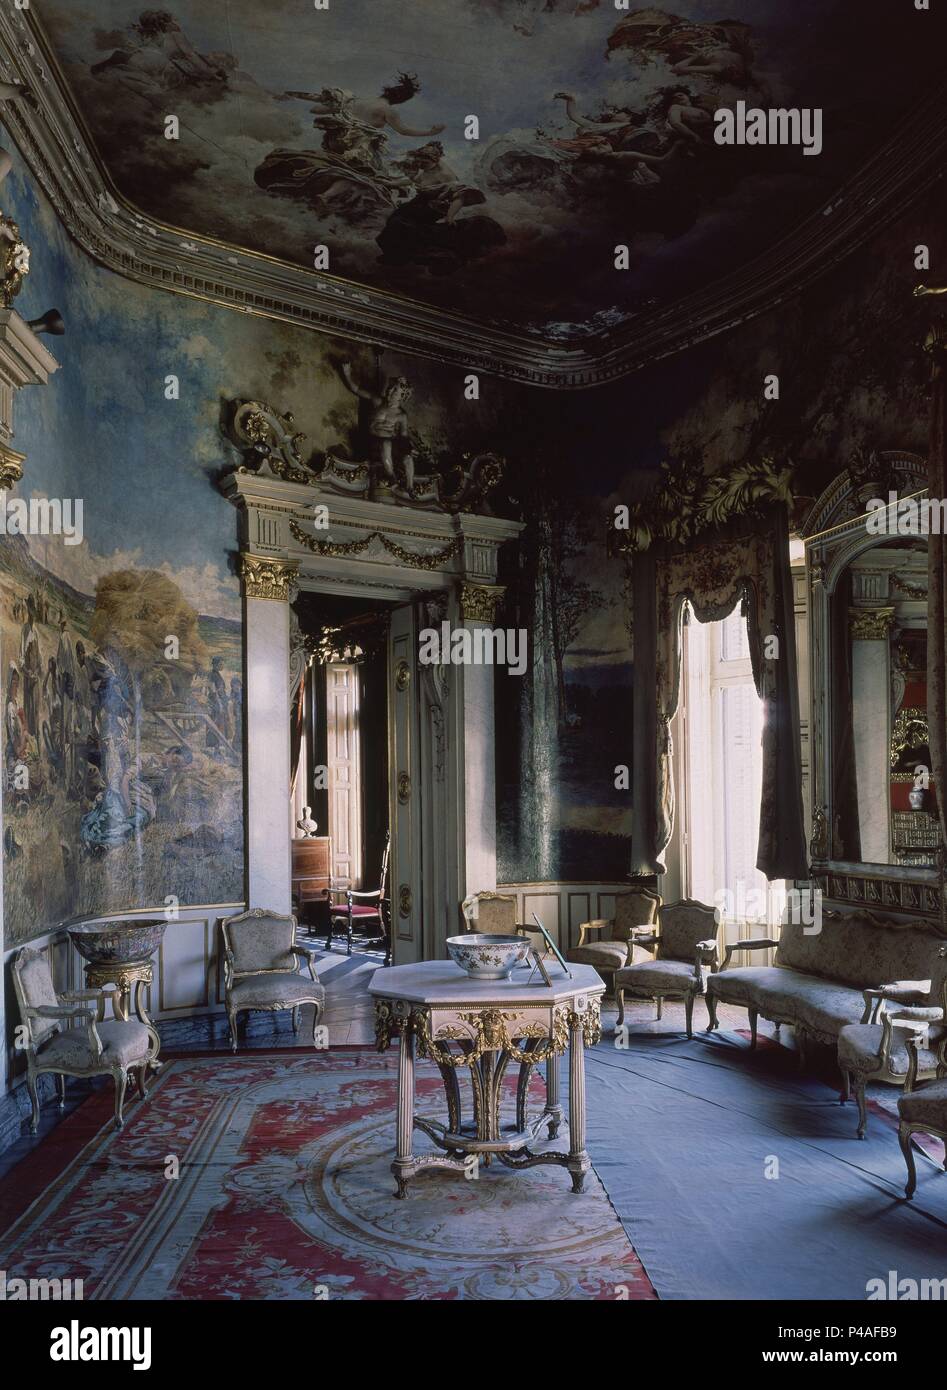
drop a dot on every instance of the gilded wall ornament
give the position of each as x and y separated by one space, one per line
910 745
14 261
819 844
269 579
869 624
479 602
273 447
405 901
404 788
685 501
11 467
271 444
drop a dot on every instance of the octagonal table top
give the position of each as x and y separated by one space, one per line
443 982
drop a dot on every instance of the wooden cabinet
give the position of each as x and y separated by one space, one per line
312 860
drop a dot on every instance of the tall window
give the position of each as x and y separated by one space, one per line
721 721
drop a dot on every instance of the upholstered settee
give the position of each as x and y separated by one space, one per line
823 981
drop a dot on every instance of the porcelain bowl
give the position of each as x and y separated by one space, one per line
487 957
118 943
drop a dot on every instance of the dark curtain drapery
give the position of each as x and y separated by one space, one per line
845 834
937 587
746 559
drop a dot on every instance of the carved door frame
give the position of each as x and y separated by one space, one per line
445 567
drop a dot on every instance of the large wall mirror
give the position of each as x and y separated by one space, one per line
875 828
884 795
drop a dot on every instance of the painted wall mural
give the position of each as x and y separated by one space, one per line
135 778
120 644
130 765
348 128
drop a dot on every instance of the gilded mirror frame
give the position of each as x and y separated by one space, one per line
835 534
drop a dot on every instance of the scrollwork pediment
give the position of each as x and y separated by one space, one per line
272 447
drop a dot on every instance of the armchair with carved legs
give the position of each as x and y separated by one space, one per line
685 954
877 1047
922 1109
69 1035
635 912
261 961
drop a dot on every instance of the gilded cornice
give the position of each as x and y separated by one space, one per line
62 157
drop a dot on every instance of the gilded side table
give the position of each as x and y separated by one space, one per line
439 1012
120 953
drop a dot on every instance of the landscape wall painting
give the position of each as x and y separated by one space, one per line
123 763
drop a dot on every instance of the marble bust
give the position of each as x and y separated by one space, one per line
306 826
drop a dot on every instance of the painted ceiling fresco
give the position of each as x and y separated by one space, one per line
345 127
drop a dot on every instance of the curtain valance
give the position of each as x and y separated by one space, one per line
746 559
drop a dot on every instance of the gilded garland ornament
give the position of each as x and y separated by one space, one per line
492 1034
417 559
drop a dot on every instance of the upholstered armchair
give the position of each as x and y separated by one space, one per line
69 1035
877 1047
922 1109
491 913
261 961
635 911
685 945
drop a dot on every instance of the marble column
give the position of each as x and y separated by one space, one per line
268 587
871 727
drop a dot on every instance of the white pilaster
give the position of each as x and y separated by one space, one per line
267 589
478 604
871 726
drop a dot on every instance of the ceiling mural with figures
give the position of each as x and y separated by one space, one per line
347 128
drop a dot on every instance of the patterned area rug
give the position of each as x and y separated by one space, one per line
284 1192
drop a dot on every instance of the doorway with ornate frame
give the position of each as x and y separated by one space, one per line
427 567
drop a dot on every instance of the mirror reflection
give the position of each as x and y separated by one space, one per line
884 794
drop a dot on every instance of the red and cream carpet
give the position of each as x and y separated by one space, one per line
267 1177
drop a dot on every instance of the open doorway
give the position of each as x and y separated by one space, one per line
339 762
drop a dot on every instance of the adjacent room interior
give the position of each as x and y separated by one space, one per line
472 625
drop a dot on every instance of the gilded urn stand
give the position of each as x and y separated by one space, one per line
440 1013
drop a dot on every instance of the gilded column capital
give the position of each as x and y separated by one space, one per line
11 467
479 602
869 624
264 578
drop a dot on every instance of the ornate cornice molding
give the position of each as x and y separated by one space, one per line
62 157
269 579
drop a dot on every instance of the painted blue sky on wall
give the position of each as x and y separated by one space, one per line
346 127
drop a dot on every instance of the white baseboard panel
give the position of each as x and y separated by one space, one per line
563 907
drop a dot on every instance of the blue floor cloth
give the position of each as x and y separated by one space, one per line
682 1135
